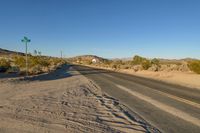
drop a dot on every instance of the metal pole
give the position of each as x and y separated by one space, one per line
26 61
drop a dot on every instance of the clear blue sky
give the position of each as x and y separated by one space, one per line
108 28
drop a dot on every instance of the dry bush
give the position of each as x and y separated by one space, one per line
155 62
146 64
126 66
56 61
138 60
38 64
20 61
194 66
4 65
37 60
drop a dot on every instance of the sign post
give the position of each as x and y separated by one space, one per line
26 41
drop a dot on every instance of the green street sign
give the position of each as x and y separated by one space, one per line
26 40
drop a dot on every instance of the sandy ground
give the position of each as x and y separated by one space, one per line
191 80
61 102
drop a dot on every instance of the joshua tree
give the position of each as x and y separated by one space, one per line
39 53
35 52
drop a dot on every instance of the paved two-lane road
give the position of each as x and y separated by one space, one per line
170 108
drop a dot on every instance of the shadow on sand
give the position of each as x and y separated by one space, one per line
9 75
63 72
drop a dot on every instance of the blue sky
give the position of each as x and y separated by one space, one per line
107 28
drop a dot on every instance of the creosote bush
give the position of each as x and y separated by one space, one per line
4 63
38 64
37 60
194 66
155 62
138 60
146 64
20 61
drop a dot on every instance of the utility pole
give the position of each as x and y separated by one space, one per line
26 41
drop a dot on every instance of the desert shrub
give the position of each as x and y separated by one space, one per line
5 63
119 62
33 61
37 60
125 66
37 64
155 61
44 62
56 61
114 66
146 64
194 66
88 62
138 60
13 69
20 61
35 70
107 62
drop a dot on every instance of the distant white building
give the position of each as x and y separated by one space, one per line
94 61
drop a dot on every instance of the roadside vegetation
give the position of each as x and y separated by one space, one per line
37 64
139 63
4 65
194 66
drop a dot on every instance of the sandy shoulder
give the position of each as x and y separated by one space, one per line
64 104
187 79
191 80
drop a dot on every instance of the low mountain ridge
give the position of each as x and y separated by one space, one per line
5 52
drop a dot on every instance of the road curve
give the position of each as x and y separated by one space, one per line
170 108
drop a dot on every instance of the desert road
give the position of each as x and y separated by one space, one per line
170 108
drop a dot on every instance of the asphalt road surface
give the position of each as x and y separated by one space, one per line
170 108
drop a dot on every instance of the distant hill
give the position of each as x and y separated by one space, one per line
160 59
4 52
176 61
123 59
85 58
